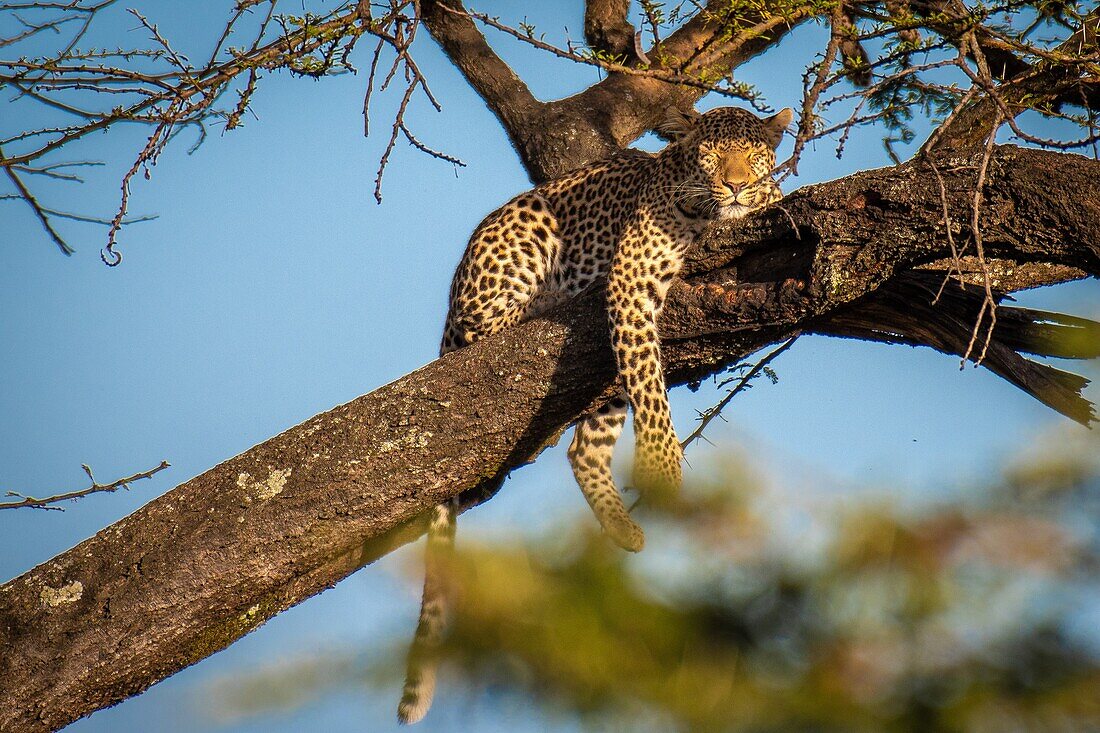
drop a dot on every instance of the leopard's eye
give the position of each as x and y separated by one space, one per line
711 158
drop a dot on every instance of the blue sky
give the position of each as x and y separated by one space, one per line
271 287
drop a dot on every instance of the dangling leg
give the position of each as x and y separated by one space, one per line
423 660
657 455
637 283
590 457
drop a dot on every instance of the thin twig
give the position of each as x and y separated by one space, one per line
956 255
711 413
990 302
416 143
49 502
809 101
39 212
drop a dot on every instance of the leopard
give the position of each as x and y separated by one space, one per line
629 220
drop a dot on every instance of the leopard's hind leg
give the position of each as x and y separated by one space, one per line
594 440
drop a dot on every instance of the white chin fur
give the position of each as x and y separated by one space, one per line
733 211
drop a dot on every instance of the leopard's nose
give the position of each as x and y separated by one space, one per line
734 187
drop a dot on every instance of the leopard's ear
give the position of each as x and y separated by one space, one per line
776 125
677 122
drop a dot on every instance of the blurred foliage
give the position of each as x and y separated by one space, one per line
758 608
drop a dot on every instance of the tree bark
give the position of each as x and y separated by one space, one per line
606 27
217 556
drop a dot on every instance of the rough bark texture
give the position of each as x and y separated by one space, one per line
606 27
216 557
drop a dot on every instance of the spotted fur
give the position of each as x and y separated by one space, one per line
630 219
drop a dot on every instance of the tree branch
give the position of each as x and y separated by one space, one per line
606 28
216 557
629 106
555 137
51 502
501 88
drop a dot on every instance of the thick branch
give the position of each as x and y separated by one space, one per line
214 558
624 107
555 137
501 88
606 27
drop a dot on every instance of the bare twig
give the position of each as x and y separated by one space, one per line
708 415
167 91
989 303
39 211
50 502
956 254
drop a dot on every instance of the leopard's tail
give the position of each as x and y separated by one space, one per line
423 660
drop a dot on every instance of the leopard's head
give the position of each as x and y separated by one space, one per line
728 155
